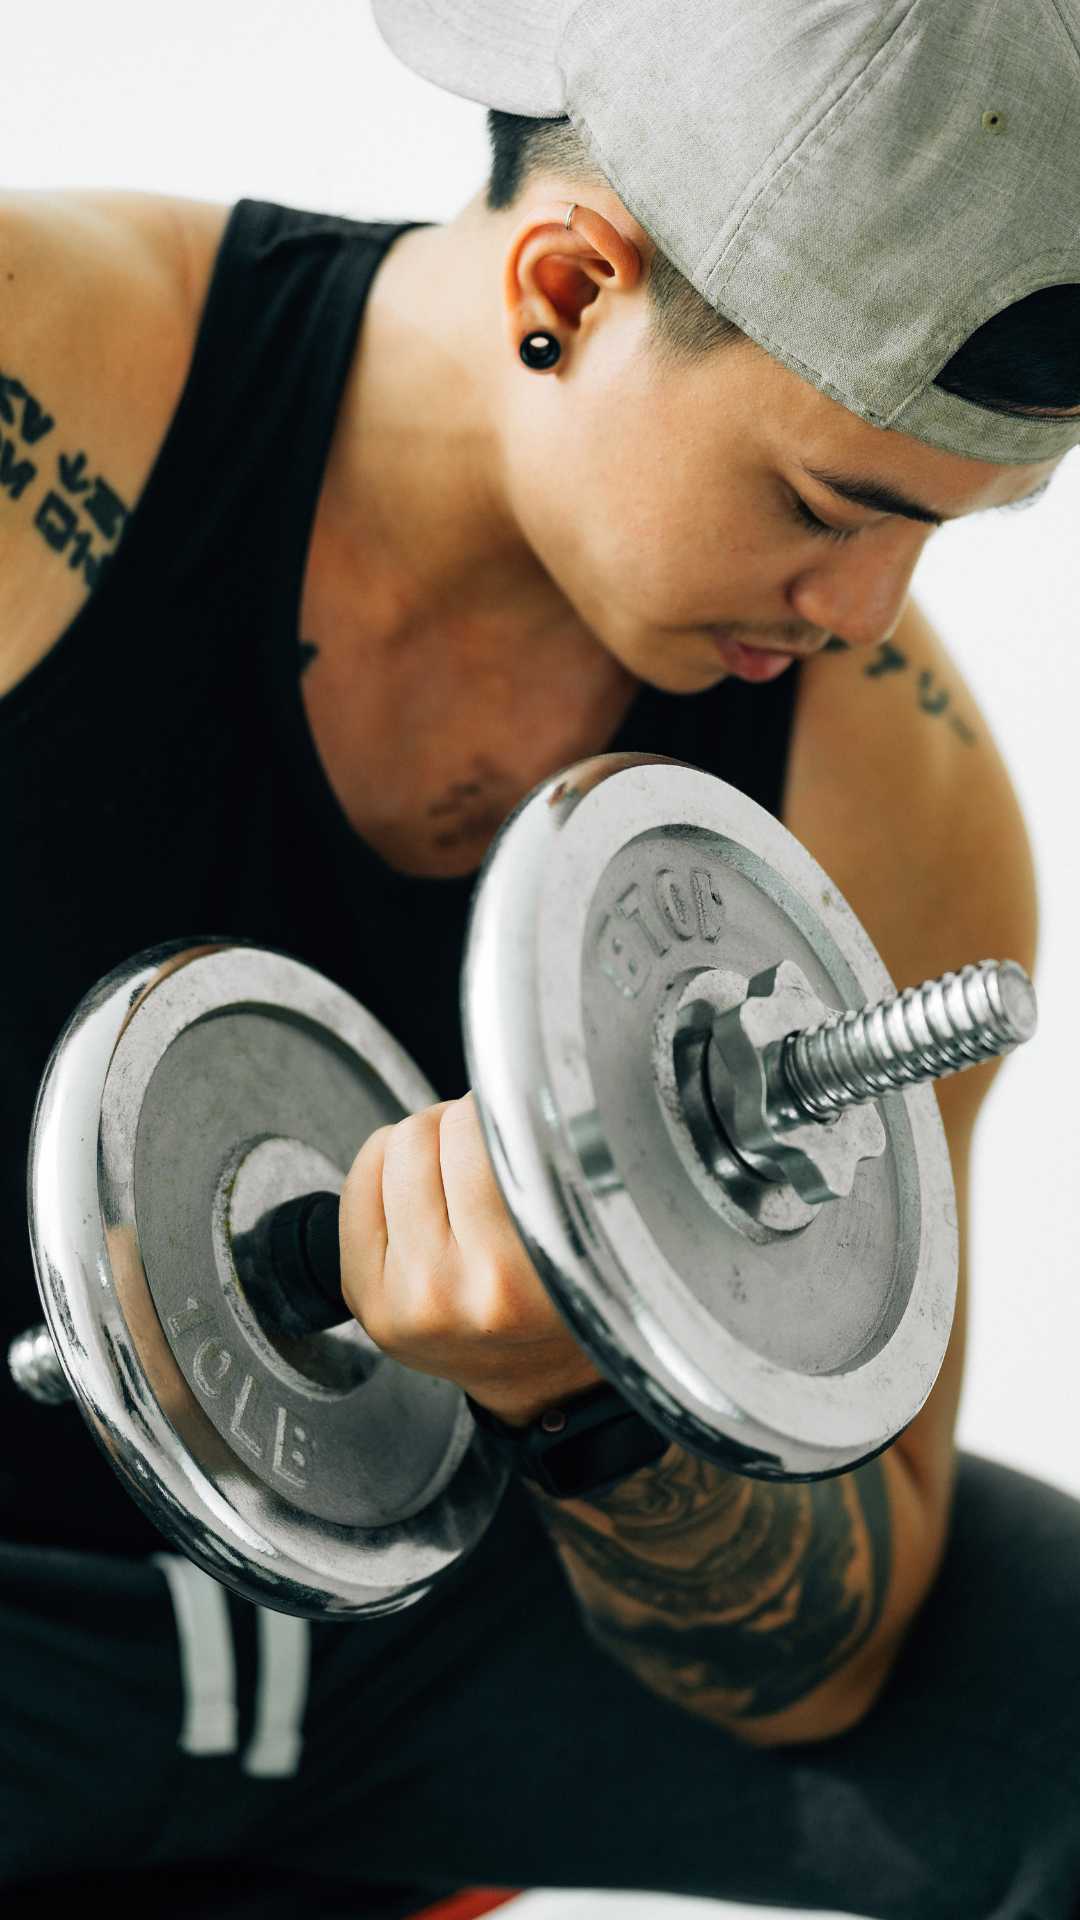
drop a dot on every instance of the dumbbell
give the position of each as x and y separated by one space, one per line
707 1111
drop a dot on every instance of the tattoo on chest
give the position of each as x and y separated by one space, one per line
734 1596
931 695
78 514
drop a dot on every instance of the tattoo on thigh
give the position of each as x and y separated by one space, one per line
931 695
735 1596
78 515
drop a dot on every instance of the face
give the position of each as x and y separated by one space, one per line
686 510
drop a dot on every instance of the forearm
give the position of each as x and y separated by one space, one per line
773 1609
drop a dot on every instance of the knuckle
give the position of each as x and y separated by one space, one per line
419 1298
500 1305
407 1134
412 1142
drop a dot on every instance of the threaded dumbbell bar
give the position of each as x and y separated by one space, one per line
924 1033
35 1368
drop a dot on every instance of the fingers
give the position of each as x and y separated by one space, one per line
434 1268
362 1219
393 1213
432 1252
503 1295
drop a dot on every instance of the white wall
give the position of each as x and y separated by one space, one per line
298 100
290 100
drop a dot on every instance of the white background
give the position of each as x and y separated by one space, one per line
299 101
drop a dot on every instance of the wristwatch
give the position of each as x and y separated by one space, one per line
586 1446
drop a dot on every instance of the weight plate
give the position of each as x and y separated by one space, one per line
783 1339
194 1089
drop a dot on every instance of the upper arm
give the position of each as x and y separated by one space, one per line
777 1610
100 298
896 787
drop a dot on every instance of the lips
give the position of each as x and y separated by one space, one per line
750 663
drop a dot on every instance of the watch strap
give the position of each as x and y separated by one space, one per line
590 1443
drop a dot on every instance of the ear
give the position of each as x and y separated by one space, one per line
552 273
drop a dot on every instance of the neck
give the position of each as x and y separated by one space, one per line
451 674
414 484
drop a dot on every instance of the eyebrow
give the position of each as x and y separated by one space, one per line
877 496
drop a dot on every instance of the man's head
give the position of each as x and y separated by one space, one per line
707 477
701 506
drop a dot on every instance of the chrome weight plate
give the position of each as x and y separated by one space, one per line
621 903
194 1090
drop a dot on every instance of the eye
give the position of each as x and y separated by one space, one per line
808 518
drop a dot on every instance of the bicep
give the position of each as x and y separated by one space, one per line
897 788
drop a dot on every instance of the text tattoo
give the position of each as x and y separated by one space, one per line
77 513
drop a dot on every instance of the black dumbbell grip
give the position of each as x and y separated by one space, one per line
296 1289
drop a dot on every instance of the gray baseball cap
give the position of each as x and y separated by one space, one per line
858 184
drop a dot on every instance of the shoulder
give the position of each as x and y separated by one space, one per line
896 785
100 300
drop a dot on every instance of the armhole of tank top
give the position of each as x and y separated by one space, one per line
69 653
78 637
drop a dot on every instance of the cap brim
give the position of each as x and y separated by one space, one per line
499 52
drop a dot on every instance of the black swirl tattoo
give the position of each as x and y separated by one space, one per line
735 1596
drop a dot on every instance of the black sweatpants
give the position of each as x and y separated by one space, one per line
481 1737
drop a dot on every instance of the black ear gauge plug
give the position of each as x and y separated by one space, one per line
540 352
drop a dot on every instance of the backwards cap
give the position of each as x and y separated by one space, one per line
858 184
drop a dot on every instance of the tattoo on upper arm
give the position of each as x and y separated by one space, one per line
889 660
80 516
736 1597
931 695
308 652
34 423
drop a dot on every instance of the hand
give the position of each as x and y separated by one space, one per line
434 1270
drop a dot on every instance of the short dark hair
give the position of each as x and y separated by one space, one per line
1025 360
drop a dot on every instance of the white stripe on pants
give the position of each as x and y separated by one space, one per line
208 1671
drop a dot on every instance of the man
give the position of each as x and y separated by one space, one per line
641 450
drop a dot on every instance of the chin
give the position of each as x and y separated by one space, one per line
667 678
660 661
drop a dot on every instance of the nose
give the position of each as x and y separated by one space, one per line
858 591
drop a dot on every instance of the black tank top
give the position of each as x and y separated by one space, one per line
158 778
